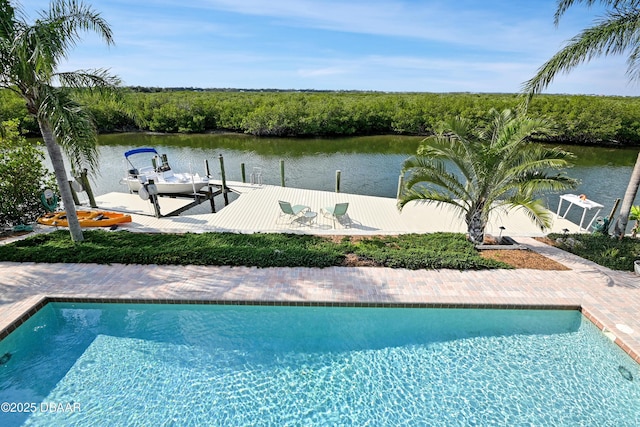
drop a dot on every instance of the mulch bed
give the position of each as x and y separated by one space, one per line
523 259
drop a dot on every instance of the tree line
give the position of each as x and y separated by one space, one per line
578 119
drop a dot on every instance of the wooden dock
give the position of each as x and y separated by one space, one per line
256 210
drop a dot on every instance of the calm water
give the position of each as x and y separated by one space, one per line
368 165
256 365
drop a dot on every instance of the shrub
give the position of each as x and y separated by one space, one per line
616 254
23 177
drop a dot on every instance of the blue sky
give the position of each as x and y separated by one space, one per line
383 45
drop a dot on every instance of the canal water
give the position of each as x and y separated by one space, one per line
368 165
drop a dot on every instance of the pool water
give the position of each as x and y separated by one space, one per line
127 364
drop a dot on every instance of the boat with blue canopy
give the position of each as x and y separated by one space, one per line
166 180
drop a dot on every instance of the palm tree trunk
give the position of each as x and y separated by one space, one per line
627 202
55 154
476 224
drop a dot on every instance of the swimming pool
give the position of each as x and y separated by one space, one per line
152 364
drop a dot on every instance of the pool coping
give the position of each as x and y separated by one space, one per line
44 300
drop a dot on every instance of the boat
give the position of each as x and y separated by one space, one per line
85 218
165 179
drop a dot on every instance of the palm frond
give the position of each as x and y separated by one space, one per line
612 35
530 172
430 197
496 123
564 5
633 64
533 208
434 172
458 128
88 79
546 183
535 160
452 148
68 17
418 162
521 130
73 127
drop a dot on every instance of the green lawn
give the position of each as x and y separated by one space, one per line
415 251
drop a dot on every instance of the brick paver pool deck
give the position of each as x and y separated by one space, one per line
611 299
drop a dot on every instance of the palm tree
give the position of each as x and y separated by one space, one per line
30 55
478 170
616 33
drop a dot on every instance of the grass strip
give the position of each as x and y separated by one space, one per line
412 251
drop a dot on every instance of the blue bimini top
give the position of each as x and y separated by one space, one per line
140 150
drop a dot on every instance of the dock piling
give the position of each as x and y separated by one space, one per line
338 173
76 201
210 195
84 180
614 209
209 188
225 190
282 173
400 185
